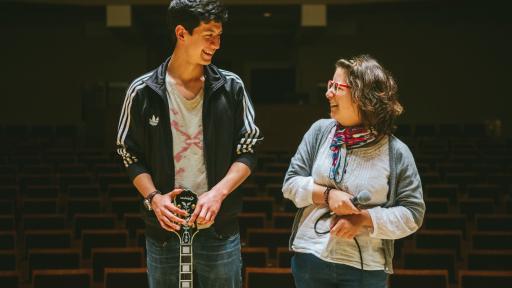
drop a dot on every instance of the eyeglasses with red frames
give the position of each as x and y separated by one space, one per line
331 84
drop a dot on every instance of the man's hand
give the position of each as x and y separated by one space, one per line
207 207
166 212
208 204
340 204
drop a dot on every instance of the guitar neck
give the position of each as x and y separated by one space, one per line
186 266
186 200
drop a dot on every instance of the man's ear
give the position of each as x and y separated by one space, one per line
180 32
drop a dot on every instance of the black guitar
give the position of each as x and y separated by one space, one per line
186 201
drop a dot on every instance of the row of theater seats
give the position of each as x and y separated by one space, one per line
255 277
70 133
64 205
466 231
122 198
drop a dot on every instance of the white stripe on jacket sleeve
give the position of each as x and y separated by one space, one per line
252 132
125 118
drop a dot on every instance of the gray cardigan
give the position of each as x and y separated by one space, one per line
404 181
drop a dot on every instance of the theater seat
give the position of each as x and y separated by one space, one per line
9 279
268 278
480 279
408 278
62 278
125 277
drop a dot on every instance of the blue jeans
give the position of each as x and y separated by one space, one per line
310 271
217 261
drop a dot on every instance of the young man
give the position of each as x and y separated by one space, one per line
189 124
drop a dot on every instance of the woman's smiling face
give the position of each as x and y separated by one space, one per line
343 108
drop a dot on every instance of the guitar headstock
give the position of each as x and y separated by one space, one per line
186 201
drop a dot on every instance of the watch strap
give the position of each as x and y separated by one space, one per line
150 196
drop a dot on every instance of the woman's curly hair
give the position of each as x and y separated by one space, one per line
374 90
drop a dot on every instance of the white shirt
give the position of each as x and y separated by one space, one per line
187 137
366 169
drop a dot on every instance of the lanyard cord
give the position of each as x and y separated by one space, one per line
338 176
336 173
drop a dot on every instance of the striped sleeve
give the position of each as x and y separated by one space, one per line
249 135
127 142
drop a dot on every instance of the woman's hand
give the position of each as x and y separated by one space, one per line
349 226
340 204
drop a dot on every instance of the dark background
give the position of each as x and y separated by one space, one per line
64 76
61 65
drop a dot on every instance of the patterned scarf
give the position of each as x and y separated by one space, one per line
353 137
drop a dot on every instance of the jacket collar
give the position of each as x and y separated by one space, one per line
214 79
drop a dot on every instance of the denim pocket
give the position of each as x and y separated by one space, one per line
211 232
158 244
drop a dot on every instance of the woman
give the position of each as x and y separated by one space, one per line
337 244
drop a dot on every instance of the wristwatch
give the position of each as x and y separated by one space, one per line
149 198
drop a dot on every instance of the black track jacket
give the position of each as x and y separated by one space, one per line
144 139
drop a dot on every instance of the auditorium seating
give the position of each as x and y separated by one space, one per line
132 222
70 180
102 239
7 223
71 213
407 278
491 240
252 220
92 221
447 222
83 191
7 206
84 206
44 222
268 277
443 191
479 279
47 239
40 206
42 191
9 279
470 207
249 189
484 191
490 260
56 258
261 204
123 205
62 278
140 238
431 259
283 220
125 257
439 239
268 237
255 257
8 260
438 205
8 192
494 222
274 190
125 277
284 256
121 190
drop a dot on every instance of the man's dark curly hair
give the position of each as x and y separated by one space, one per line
190 13
374 90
